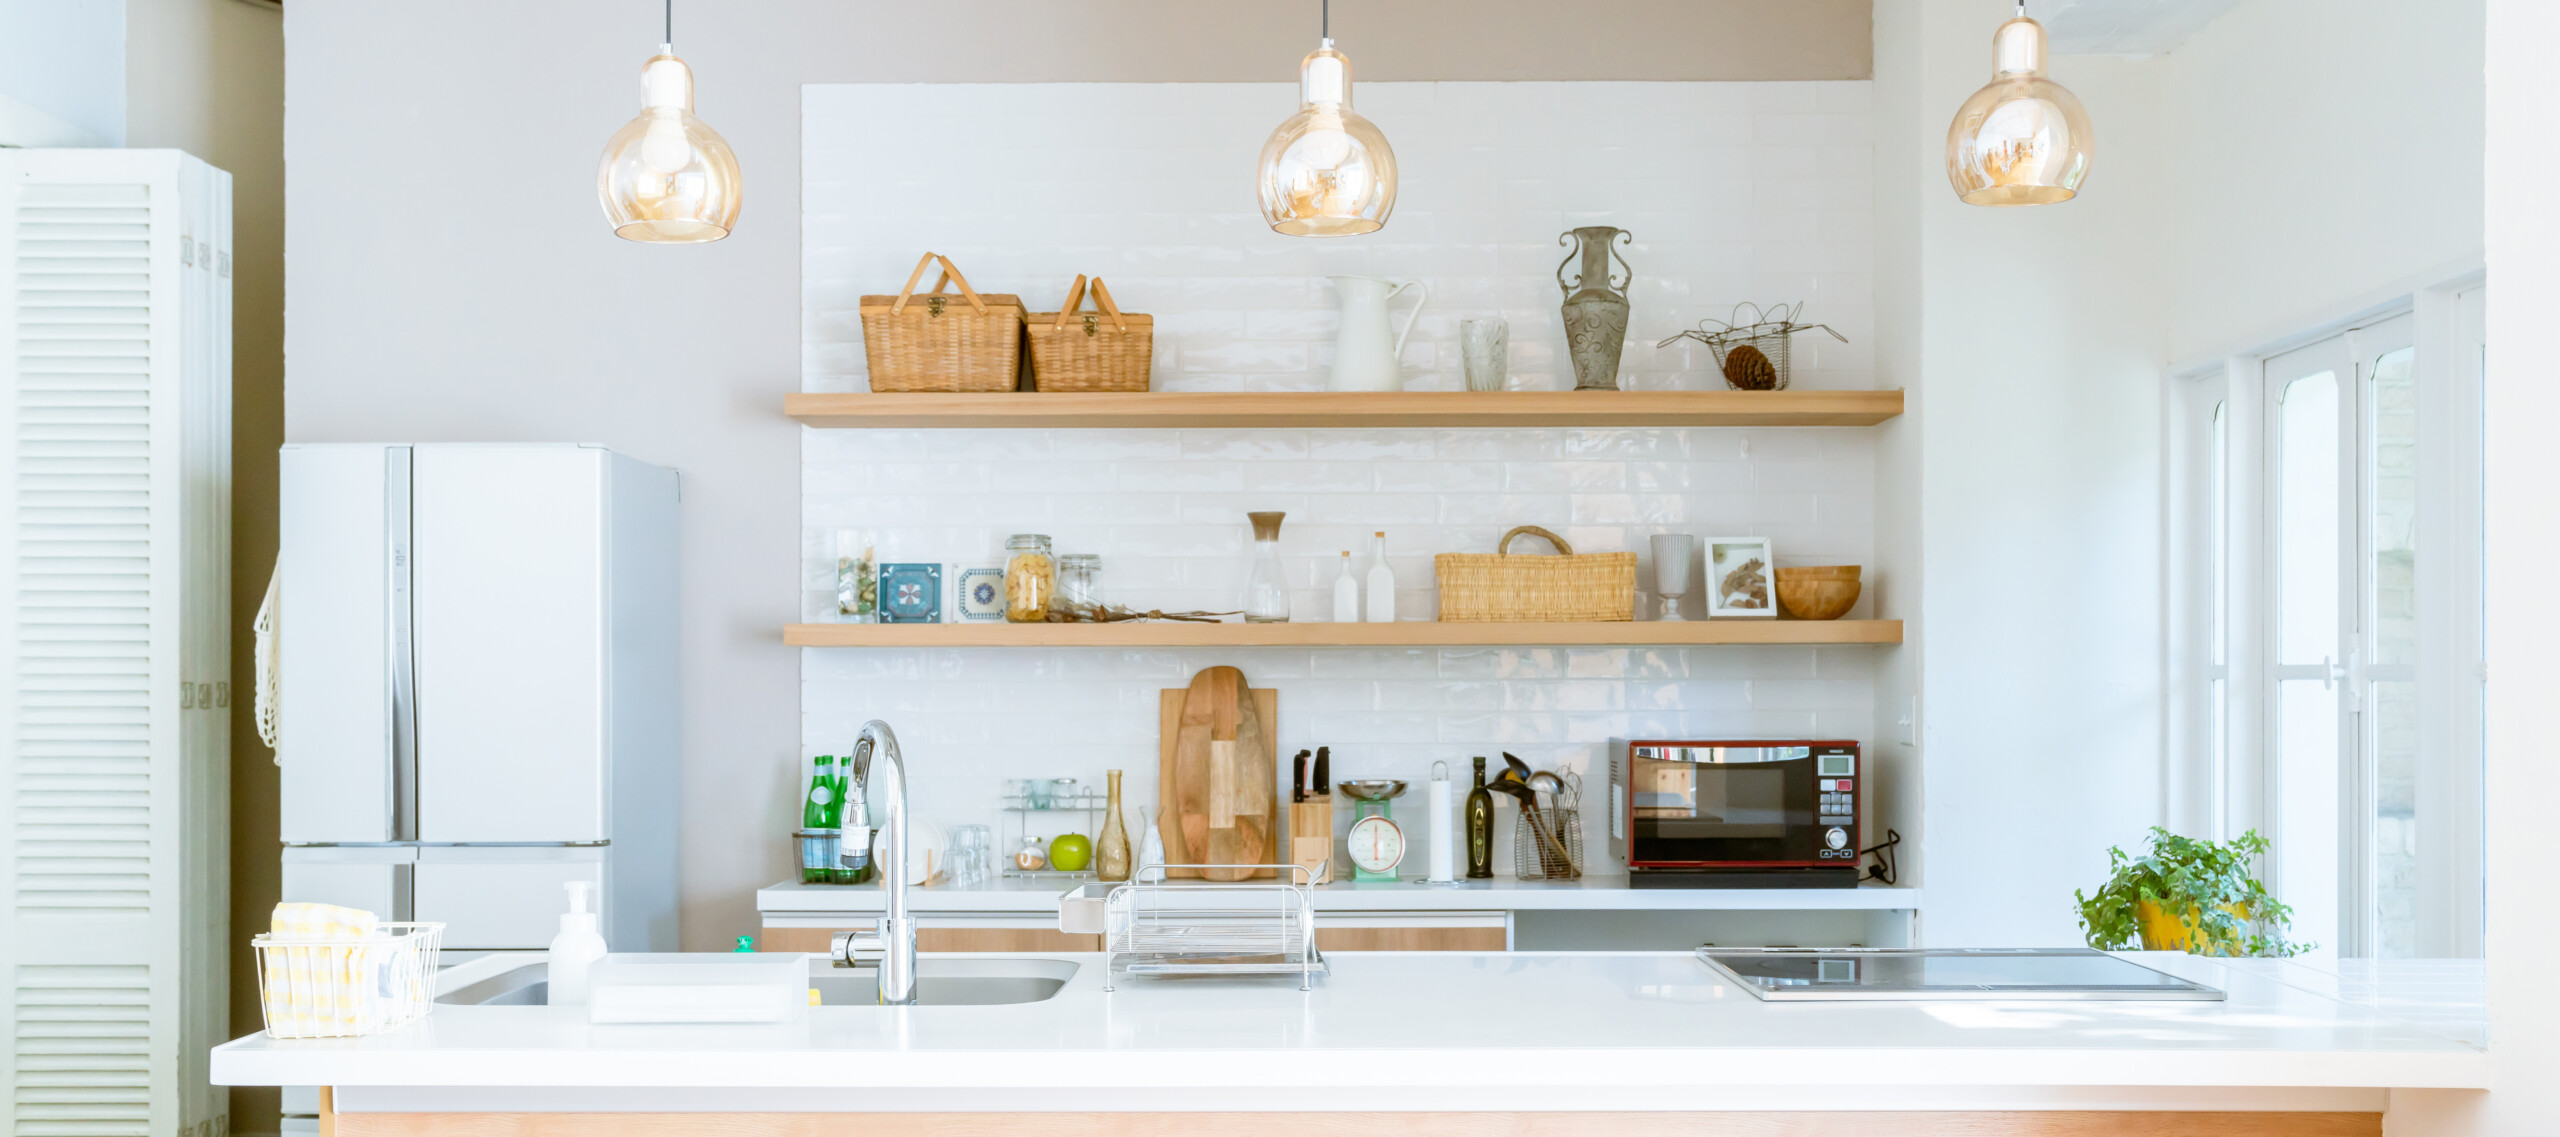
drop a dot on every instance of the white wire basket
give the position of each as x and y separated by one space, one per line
342 986
1154 927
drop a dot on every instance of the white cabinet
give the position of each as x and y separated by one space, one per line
115 469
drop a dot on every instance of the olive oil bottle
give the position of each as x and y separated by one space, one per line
1479 828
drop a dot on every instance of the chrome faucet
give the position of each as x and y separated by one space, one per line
890 946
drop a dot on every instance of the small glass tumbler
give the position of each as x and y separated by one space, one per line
857 584
973 852
1485 346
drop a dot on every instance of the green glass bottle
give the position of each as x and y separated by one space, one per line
822 807
1479 828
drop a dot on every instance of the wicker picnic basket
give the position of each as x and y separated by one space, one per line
1497 587
929 343
1103 350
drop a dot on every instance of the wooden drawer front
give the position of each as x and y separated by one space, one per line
1409 939
930 937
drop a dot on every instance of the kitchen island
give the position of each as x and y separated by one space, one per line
1592 1042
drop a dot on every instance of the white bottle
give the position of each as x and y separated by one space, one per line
1382 582
1346 594
577 945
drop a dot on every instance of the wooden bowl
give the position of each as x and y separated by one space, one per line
1816 599
1819 572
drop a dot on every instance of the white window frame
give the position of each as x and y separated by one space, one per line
2219 778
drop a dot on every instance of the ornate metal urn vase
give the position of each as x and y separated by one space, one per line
1595 306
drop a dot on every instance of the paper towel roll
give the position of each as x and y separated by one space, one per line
1444 841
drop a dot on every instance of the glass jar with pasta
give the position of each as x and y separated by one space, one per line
1030 578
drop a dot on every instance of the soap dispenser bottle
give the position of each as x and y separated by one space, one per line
577 945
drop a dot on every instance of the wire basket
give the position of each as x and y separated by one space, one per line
1534 858
339 987
1161 928
1753 355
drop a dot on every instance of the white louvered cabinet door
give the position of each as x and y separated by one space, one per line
113 384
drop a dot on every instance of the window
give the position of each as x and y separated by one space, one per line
2324 648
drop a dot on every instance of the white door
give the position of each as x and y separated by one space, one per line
509 577
343 515
2342 493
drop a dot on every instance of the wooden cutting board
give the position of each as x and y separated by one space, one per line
1218 779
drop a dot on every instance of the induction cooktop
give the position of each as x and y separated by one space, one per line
1932 974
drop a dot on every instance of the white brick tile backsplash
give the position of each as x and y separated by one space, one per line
1732 191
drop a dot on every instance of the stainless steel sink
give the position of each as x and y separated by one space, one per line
939 982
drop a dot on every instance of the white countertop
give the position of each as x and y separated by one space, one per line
1517 1030
1013 895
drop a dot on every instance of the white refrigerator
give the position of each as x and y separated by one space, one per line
476 695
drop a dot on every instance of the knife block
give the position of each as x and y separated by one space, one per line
1311 837
1168 823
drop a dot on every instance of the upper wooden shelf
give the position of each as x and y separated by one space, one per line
1409 633
1348 409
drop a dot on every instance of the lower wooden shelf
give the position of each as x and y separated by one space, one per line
1412 633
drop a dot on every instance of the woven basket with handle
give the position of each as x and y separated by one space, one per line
935 342
1103 350
1497 587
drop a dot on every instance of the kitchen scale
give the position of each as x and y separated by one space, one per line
1937 974
1376 841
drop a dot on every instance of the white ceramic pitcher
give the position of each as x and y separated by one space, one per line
1365 357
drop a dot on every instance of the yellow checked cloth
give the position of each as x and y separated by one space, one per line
315 981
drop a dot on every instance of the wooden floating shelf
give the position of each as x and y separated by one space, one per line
1416 633
1347 409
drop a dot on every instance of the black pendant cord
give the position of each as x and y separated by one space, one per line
1326 24
670 41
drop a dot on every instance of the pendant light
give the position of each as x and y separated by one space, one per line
2022 139
1327 172
666 177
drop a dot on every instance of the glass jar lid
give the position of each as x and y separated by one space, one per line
1039 541
1080 561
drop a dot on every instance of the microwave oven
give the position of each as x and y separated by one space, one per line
1735 813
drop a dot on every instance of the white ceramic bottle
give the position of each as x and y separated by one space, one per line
1346 594
1382 582
577 945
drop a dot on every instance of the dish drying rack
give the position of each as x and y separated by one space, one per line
1154 927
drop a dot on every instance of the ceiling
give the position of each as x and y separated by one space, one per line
2124 27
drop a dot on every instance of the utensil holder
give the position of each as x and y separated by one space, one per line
344 986
1533 859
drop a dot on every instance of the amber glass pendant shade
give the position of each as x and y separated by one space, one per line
2022 139
1327 172
666 177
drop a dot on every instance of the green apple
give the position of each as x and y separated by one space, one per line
1071 852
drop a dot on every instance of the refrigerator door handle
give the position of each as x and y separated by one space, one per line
404 676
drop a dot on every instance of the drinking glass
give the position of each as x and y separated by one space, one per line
1485 345
1671 553
973 855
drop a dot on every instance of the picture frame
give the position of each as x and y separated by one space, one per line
1741 579
977 594
911 593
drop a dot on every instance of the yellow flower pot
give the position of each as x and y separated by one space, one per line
2162 931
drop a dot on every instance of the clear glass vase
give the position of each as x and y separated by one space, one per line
1266 591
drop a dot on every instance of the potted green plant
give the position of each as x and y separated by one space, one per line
2188 895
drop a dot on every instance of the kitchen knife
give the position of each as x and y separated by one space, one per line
1324 772
1298 777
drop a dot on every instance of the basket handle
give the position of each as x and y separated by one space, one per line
1102 300
950 275
1562 546
1075 296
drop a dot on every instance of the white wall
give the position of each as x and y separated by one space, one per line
1732 191
2524 540
2326 155
62 72
2034 344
